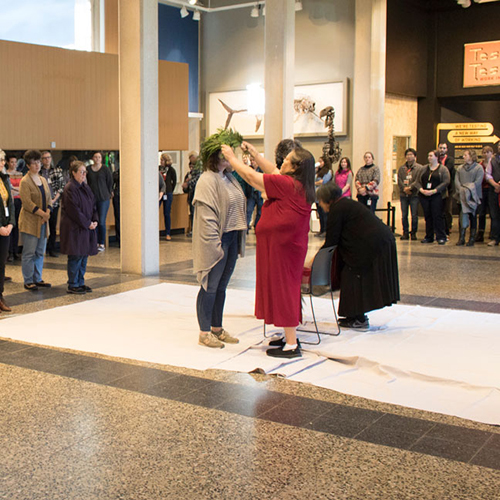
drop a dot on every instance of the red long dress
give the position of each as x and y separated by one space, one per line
282 238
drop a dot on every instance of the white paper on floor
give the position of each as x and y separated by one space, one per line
441 360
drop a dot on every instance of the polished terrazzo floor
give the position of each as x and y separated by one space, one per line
76 426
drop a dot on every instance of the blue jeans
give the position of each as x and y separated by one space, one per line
77 265
254 201
102 213
210 302
167 207
322 218
32 257
412 203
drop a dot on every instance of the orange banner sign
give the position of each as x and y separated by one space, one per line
482 64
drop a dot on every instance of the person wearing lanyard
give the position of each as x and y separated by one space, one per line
431 185
407 179
7 222
33 221
449 162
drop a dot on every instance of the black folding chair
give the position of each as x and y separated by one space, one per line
321 276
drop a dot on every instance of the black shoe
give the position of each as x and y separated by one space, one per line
281 342
79 290
345 321
17 256
10 258
53 254
405 236
356 324
43 284
7 278
31 287
425 240
414 237
86 288
441 242
280 353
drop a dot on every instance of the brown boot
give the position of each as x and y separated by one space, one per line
4 306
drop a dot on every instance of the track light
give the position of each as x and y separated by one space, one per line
192 2
184 12
255 11
196 15
464 3
298 5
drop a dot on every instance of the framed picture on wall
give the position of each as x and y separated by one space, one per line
230 109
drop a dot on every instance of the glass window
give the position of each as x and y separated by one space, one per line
59 23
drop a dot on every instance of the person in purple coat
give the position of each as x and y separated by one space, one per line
78 227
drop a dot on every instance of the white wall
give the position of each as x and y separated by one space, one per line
232 53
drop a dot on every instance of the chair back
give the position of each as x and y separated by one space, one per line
321 270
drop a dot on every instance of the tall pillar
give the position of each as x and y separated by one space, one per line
138 68
369 88
279 73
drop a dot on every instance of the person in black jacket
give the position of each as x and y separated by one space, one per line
449 162
100 180
369 276
7 222
170 177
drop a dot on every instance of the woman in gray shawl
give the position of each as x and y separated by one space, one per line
219 231
468 189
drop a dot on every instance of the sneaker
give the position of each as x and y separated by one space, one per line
425 240
210 340
356 324
101 248
78 290
441 242
87 288
280 353
31 287
405 236
414 237
493 243
281 342
225 337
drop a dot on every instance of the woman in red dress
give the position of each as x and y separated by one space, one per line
282 238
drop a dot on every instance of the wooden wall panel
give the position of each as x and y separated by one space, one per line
56 95
111 26
71 98
173 106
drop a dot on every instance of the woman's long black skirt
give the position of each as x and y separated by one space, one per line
363 290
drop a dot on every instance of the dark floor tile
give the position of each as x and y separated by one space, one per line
245 407
205 398
36 358
419 300
487 457
99 377
493 442
141 380
471 437
280 415
313 406
337 426
405 424
494 308
169 390
350 413
396 438
452 450
7 347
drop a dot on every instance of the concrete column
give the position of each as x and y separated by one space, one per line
369 89
279 74
138 68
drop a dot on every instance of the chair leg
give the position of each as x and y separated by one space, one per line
336 318
317 331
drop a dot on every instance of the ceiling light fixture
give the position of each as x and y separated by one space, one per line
192 2
464 3
298 5
184 12
255 11
196 15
